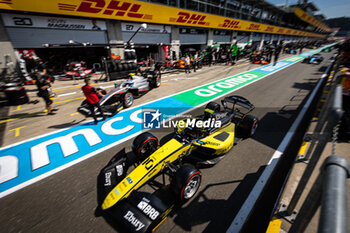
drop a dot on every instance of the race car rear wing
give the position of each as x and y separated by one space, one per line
239 100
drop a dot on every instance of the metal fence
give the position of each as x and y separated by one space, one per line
329 189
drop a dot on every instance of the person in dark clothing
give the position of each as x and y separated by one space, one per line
269 50
43 83
195 62
301 48
209 57
92 99
277 53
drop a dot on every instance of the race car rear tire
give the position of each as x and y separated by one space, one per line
128 99
213 106
144 145
185 183
249 125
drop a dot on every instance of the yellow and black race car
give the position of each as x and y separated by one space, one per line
195 143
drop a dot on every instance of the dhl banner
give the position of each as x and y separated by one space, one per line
144 12
310 20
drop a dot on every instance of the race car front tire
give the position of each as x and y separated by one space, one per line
128 99
144 145
249 125
185 183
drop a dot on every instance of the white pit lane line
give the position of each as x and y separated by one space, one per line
247 207
66 87
108 86
70 93
175 79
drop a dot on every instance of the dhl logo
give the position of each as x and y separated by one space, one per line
230 24
188 18
269 29
281 30
255 27
117 8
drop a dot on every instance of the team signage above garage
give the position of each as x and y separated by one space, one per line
35 21
144 12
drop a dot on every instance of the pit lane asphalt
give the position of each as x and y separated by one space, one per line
66 201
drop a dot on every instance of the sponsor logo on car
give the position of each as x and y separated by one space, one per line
108 181
129 180
119 169
130 217
148 209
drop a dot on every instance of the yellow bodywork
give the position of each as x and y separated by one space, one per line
221 147
155 163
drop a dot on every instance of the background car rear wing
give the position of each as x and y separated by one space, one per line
239 100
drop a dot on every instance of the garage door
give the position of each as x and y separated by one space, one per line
147 38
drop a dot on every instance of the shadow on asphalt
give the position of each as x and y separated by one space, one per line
274 124
27 115
223 211
304 86
322 69
4 111
66 125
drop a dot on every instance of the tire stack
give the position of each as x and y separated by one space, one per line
120 69
15 93
130 57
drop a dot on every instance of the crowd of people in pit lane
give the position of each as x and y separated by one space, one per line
230 54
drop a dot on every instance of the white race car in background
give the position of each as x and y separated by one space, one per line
122 96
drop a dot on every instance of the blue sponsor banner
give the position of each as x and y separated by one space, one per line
272 68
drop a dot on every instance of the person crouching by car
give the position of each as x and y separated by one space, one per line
92 99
